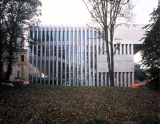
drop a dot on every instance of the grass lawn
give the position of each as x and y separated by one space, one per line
42 103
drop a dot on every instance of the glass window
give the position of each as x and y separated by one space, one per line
67 52
71 53
130 77
59 35
71 35
98 36
75 54
94 35
43 38
118 49
122 49
102 36
67 35
115 84
59 73
126 48
114 48
103 50
99 78
51 50
75 48
127 79
39 35
103 79
75 36
75 57
63 52
43 52
83 58
95 79
39 47
55 50
107 79
35 50
63 76
59 51
79 36
75 76
51 35
119 79
35 35
79 77
130 49
47 35
79 58
22 58
83 36
87 78
63 35
91 79
54 68
82 48
55 38
87 36
31 34
83 77
71 75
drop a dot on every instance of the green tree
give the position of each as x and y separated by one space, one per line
16 17
139 73
105 13
151 48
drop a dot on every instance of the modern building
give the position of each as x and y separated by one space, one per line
76 56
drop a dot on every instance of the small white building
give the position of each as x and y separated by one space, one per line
74 56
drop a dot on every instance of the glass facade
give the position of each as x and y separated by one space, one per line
83 52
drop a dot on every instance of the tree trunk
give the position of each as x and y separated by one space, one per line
112 56
9 61
109 67
1 57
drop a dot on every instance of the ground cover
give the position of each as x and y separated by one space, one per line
40 103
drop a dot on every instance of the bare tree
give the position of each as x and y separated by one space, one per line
105 13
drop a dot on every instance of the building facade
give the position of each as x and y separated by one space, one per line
76 56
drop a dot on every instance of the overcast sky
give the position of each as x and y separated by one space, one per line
75 12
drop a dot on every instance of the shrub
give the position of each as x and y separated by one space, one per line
100 120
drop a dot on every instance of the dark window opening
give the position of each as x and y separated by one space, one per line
22 58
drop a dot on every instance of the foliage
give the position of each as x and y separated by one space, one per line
139 73
153 82
105 14
16 16
151 48
100 120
